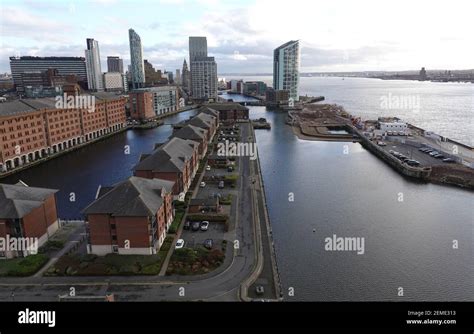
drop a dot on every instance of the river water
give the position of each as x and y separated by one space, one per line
446 108
408 244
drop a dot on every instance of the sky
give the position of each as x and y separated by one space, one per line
335 35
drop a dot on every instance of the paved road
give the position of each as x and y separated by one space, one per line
224 286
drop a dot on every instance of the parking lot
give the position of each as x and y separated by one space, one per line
412 152
193 239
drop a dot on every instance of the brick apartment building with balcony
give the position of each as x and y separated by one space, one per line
27 212
31 129
132 217
176 161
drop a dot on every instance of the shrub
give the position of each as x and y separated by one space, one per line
28 265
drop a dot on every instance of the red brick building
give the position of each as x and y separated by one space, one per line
176 161
141 105
131 217
194 133
31 129
27 212
230 111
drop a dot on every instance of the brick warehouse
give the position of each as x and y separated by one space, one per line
27 212
31 129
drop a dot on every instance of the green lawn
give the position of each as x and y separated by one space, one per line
23 266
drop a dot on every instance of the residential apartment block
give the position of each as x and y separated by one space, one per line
27 212
153 102
175 161
131 217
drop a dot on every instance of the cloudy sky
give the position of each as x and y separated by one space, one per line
335 35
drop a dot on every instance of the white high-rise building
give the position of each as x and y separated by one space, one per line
203 70
136 59
286 68
93 68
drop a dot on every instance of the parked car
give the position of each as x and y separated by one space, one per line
196 226
204 225
439 156
230 169
221 184
381 143
208 168
187 225
208 243
413 163
179 244
202 184
433 153
449 160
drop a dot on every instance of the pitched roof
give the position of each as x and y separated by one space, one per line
178 147
134 197
16 201
160 161
209 111
202 120
190 132
169 157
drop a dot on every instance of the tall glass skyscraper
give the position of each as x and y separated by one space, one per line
94 70
136 59
286 68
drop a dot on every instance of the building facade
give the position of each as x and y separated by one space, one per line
114 64
230 111
113 81
94 71
136 59
149 103
131 217
175 161
203 70
186 77
286 67
31 129
64 65
27 212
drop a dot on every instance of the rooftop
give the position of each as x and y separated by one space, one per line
16 201
135 197
190 132
17 107
227 106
